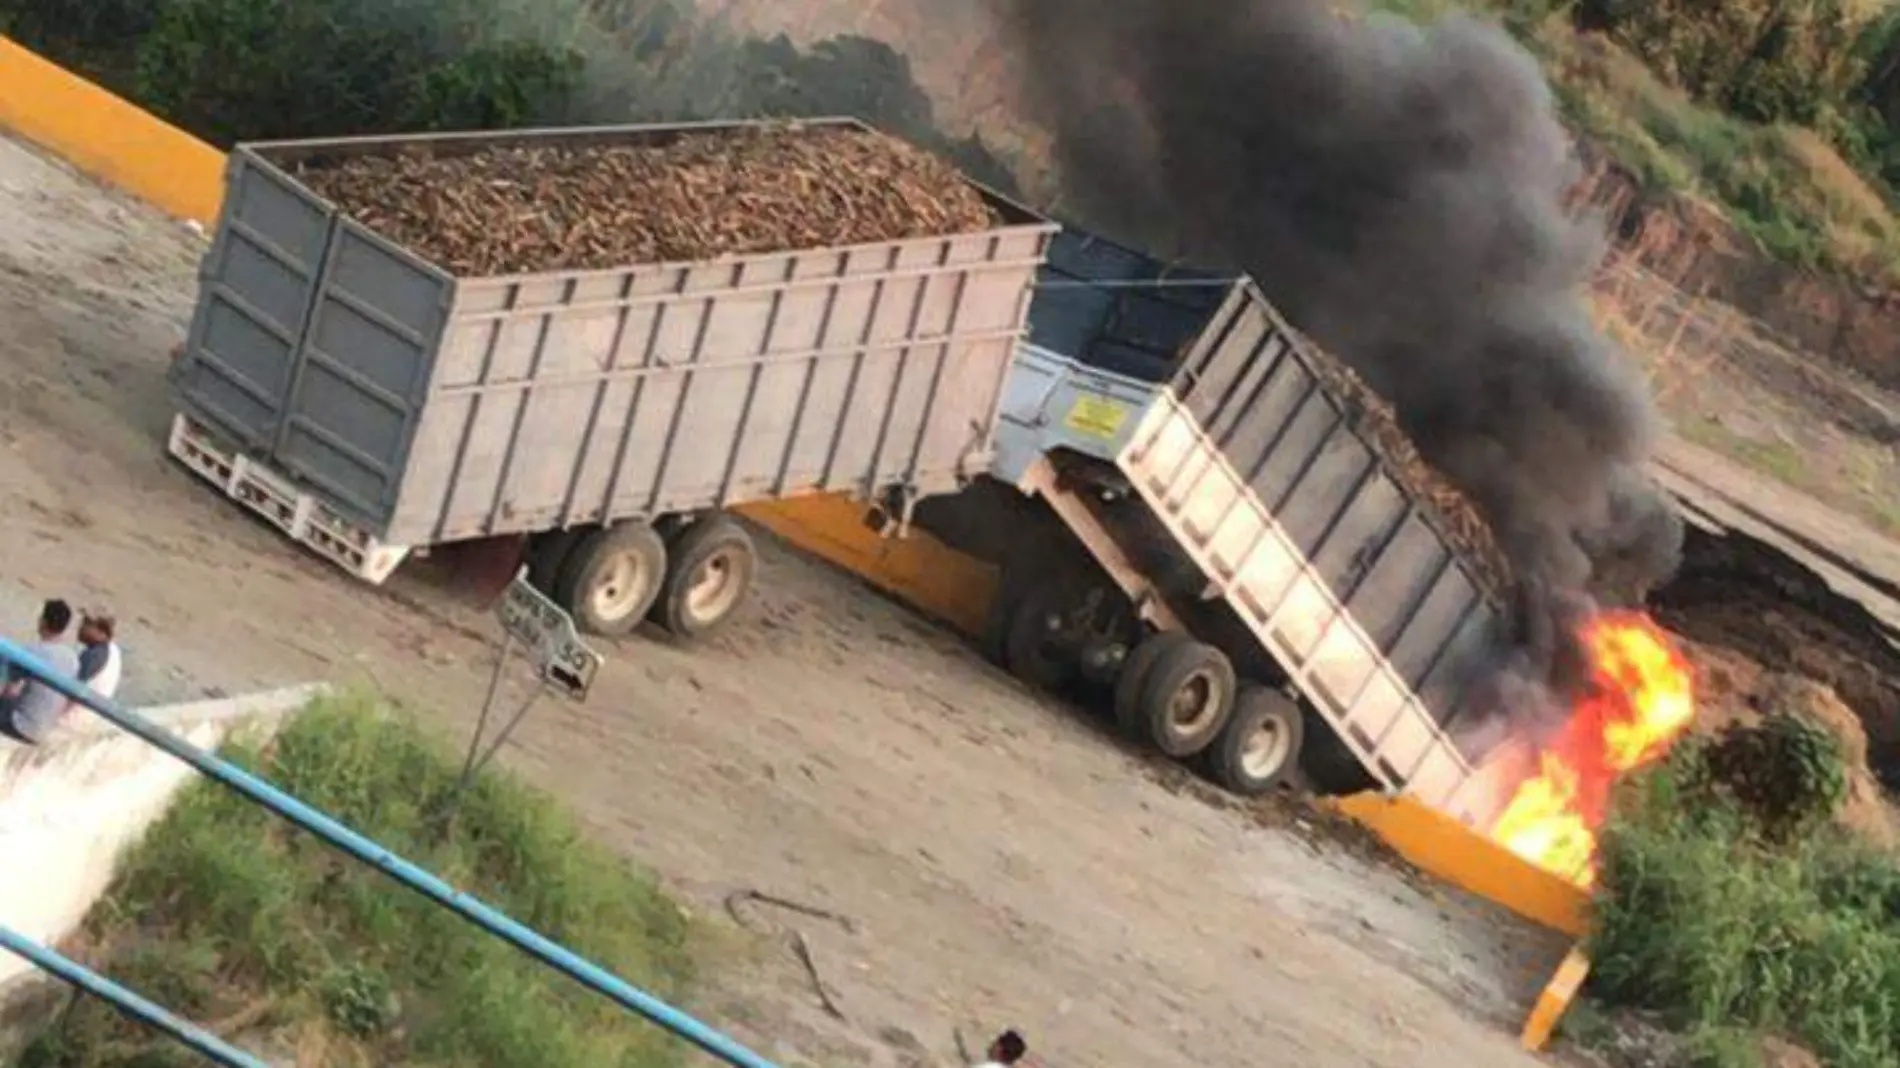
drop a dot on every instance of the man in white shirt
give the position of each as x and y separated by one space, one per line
101 662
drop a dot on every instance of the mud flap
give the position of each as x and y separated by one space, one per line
483 568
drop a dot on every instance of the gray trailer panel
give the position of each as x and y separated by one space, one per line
1258 476
312 339
1250 383
432 408
1260 570
1258 470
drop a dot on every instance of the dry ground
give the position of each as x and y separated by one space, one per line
1730 388
1006 863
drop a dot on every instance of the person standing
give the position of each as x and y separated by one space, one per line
101 662
29 708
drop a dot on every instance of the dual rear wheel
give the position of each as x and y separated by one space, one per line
1172 692
688 577
1181 696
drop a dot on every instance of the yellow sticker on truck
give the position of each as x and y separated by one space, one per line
1096 417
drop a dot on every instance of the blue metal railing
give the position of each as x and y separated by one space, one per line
186 1032
408 873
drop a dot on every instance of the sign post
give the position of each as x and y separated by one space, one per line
562 663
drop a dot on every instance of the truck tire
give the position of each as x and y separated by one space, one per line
1029 651
611 578
1260 745
709 571
548 553
1134 677
1187 698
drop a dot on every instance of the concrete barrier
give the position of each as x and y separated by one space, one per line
69 808
109 137
919 570
1443 847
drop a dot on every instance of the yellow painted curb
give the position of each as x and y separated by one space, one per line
108 137
920 570
1556 997
1442 846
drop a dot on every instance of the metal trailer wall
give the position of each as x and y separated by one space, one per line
1120 310
1252 468
1352 584
433 408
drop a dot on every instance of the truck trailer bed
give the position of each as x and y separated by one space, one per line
1255 472
417 407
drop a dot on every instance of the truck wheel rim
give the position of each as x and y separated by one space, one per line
622 583
1194 704
1264 751
715 587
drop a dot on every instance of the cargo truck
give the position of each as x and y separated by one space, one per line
372 405
1194 531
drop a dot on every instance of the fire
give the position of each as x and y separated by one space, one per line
1642 699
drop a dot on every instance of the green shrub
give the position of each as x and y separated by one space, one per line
1787 773
1724 1047
234 70
1793 191
223 906
1709 919
96 38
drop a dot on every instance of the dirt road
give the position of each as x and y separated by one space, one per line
1006 863
1855 560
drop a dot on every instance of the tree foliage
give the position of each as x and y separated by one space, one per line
243 69
236 70
1762 60
1878 52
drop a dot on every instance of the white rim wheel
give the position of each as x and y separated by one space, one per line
622 586
1260 745
1265 750
715 585
711 562
611 578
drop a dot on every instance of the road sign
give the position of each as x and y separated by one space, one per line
547 631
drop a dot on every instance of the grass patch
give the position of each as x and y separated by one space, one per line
1778 460
227 913
1784 187
1886 515
1857 483
1735 930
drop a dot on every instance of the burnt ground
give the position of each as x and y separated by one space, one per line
1740 594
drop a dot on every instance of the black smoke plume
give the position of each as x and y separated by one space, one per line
1399 191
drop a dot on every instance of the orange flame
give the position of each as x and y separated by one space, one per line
1643 698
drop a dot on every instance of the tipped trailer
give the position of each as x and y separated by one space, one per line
370 404
1255 590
